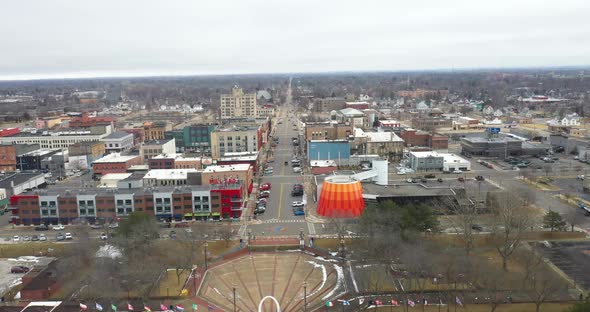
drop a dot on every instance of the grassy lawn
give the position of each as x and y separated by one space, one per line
516 307
539 185
31 249
171 284
571 200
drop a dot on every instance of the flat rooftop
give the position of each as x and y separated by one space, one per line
157 142
115 158
227 168
406 190
40 152
117 135
169 174
177 157
17 178
481 139
73 191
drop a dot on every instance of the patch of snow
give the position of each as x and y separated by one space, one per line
339 282
356 288
324 277
108 251
30 259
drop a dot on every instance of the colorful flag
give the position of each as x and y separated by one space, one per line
83 307
163 307
329 304
394 303
179 308
195 307
98 306
129 307
458 301
113 307
411 303
361 301
146 308
345 302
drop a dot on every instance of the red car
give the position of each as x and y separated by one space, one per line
264 187
19 269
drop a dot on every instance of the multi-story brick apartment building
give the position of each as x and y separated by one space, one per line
114 163
433 141
103 205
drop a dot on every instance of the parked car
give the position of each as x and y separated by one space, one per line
41 227
96 226
457 171
16 238
477 227
439 180
265 192
297 204
297 193
26 238
19 269
580 177
58 227
266 195
264 188
114 225
42 237
103 236
429 176
479 178
35 238
298 212
68 236
60 237
172 234
461 179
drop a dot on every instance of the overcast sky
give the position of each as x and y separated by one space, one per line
90 38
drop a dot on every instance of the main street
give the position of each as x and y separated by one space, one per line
279 219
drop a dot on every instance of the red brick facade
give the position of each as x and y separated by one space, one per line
424 139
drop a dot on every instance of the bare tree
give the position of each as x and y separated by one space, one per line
226 233
541 287
463 215
571 217
512 216
189 243
548 168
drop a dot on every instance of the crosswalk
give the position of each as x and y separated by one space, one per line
284 221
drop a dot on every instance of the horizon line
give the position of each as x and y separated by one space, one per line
71 76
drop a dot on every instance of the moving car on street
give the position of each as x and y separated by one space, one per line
19 269
297 204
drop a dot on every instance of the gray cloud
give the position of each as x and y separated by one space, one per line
69 38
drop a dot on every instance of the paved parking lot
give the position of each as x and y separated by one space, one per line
573 258
9 280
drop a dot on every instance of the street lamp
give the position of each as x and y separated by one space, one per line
205 245
301 240
304 296
234 291
249 238
342 249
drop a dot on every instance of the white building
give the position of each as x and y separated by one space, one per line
167 177
435 161
61 139
354 116
118 141
151 149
